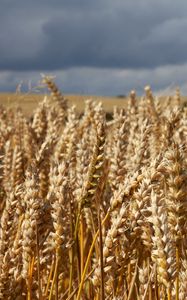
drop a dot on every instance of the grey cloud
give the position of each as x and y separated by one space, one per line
99 81
114 40
94 47
52 35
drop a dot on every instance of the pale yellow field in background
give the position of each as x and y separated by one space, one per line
28 102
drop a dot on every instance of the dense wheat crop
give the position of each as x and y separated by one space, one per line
90 208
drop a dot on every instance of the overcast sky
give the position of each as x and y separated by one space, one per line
103 47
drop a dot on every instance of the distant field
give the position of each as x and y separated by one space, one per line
28 102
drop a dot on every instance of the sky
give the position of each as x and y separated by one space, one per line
101 47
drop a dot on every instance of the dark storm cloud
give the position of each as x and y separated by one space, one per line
51 35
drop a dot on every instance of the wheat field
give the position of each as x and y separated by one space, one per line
92 208
29 101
